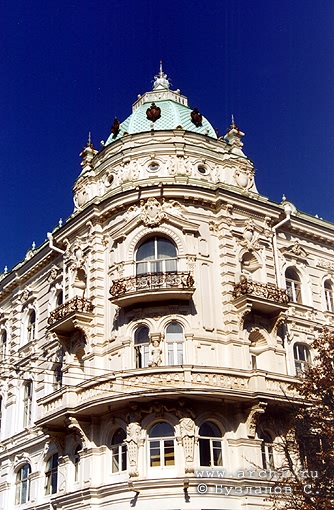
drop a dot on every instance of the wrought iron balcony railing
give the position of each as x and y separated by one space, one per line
76 304
263 290
172 284
263 296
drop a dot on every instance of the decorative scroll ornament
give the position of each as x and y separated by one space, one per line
153 113
253 417
196 117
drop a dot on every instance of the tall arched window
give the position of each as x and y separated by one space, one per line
156 255
51 475
301 354
161 440
118 450
267 451
142 341
23 485
3 345
27 403
210 445
174 344
31 326
328 288
293 285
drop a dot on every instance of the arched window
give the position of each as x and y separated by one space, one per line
293 285
156 255
23 485
161 440
142 341
3 345
51 475
210 445
27 403
118 450
31 326
174 344
329 295
301 354
267 451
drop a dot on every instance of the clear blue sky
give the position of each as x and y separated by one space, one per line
70 67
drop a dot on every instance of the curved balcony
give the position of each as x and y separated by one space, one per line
74 313
152 287
259 297
94 397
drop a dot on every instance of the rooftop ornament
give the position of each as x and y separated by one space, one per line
153 113
196 117
161 80
115 127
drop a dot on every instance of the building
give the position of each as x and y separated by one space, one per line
152 340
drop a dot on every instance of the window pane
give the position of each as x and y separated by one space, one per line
155 453
217 453
209 429
162 430
166 249
204 452
146 251
142 335
169 452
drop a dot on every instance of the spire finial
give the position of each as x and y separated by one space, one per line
161 80
89 143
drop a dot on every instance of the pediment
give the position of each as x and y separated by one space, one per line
153 213
295 250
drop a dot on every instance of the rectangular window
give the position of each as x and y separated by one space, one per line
51 475
27 403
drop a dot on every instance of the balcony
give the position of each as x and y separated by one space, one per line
74 313
259 297
152 287
94 396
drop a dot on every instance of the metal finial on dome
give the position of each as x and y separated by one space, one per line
161 80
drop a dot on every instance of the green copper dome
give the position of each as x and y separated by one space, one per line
174 113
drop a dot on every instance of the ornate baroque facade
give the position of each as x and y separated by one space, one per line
153 338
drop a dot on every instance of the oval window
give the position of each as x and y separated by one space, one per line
153 167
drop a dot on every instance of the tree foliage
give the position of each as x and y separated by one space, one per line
307 447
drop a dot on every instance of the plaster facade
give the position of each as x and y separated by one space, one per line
153 338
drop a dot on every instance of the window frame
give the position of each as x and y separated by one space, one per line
119 461
293 285
27 402
22 484
299 363
209 440
156 264
51 474
329 295
161 448
142 349
174 354
267 451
